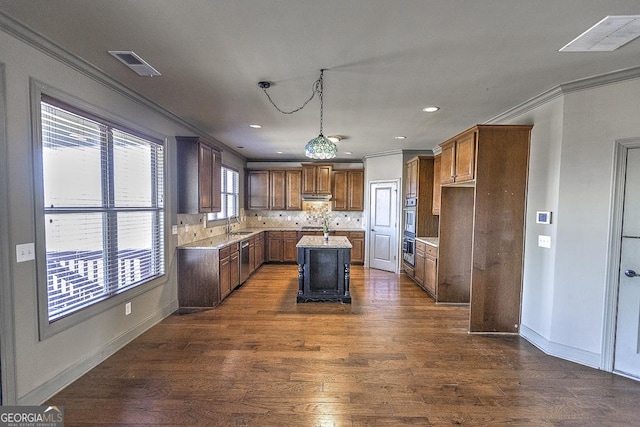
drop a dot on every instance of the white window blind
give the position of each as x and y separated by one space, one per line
103 208
230 194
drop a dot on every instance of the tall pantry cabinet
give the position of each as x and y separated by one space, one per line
482 215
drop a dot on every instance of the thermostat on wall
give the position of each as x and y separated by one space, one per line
543 217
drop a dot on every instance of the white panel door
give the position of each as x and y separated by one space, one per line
383 243
627 347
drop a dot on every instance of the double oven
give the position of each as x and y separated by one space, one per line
409 240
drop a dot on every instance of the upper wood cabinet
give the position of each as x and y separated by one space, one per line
199 166
257 189
419 184
293 190
436 186
411 183
348 190
458 158
274 189
316 178
277 190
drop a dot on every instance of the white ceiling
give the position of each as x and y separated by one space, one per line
385 61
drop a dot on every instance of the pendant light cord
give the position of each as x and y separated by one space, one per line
315 88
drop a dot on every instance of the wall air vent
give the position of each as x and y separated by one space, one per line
133 61
607 35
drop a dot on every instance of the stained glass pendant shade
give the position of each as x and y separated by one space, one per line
320 148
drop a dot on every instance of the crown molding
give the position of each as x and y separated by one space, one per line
383 154
565 88
46 46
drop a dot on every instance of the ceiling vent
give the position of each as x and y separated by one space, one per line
607 35
133 61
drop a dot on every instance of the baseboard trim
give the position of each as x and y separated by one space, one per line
561 351
71 374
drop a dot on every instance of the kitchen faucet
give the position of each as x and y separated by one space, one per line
229 222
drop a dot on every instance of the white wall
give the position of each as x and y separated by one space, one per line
43 367
571 173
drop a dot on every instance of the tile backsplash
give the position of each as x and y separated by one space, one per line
192 228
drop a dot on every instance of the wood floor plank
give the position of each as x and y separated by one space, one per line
391 358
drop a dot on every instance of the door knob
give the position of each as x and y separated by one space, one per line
631 273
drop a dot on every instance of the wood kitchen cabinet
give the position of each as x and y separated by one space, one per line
275 250
199 167
425 263
274 189
418 263
356 238
419 185
277 190
348 190
458 158
357 252
259 251
435 208
225 273
480 252
207 275
293 190
411 179
317 179
289 241
282 246
257 189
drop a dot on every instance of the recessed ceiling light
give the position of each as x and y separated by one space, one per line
431 109
334 138
279 152
399 137
255 126
607 35
348 152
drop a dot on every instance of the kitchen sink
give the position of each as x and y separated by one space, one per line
240 233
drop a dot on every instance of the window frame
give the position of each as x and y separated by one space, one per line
39 92
219 221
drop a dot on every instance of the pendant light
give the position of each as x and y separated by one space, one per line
320 147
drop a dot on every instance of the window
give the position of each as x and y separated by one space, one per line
103 191
230 194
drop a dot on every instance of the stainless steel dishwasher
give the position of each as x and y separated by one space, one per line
245 269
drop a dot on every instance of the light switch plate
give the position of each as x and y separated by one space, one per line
544 241
174 229
25 252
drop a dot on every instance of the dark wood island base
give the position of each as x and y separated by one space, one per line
324 268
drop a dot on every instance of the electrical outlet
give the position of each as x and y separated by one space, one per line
127 309
544 241
25 252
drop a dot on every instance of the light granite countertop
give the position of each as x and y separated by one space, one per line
433 241
222 240
334 242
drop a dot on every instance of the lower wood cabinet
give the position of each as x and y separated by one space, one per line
259 251
424 269
356 238
282 246
207 276
289 241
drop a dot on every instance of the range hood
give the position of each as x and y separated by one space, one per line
311 197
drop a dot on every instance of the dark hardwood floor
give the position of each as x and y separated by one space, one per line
391 358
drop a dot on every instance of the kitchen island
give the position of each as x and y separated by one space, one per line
324 269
